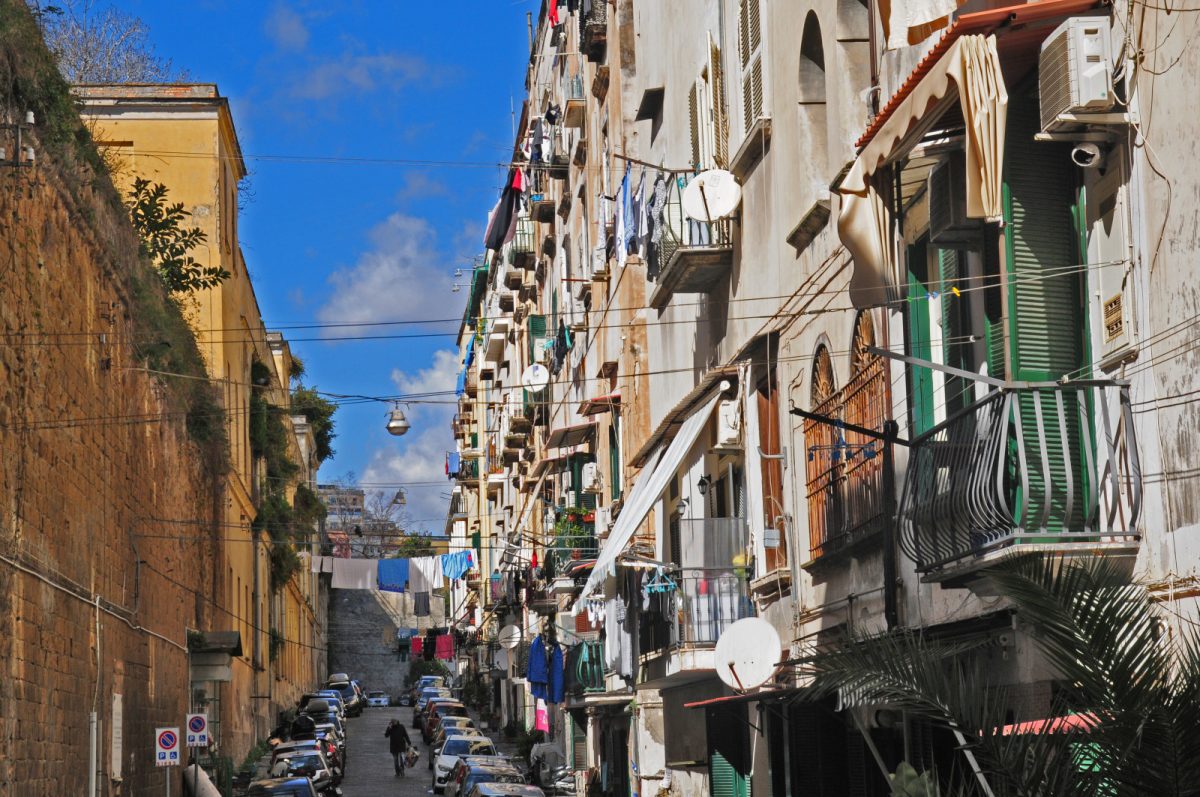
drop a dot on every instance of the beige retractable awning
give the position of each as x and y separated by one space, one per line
969 73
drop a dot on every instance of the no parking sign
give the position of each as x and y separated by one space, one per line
197 730
166 747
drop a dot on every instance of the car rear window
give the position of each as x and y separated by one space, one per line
489 777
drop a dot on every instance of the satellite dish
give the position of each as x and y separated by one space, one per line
535 378
711 195
509 637
746 653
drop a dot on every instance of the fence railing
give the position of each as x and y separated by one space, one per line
680 231
709 601
1054 467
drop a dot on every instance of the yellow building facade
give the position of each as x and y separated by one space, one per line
183 136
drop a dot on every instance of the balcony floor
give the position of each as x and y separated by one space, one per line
692 269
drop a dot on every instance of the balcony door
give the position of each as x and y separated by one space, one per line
1047 308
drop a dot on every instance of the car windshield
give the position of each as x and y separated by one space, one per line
458 745
491 776
376 694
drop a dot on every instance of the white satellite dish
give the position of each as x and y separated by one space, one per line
509 637
746 653
711 195
535 378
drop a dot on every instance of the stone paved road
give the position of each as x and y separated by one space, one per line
369 771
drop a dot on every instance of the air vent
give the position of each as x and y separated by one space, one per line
1114 318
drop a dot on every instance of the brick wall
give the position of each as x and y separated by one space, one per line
103 494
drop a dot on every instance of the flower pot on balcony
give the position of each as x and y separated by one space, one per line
590 517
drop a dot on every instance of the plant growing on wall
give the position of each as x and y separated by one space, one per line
166 242
319 413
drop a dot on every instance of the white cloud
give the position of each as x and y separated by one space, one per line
286 28
399 278
359 73
420 455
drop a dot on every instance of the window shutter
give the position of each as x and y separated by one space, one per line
1046 297
955 328
720 123
750 49
919 339
578 743
694 123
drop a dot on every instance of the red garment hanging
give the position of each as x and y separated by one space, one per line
444 647
418 646
553 12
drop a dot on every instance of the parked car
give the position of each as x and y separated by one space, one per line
465 775
282 787
424 682
453 726
504 790
335 699
435 744
378 699
313 765
455 748
327 730
323 744
337 676
354 704
435 710
423 700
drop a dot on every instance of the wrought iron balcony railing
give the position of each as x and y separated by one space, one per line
692 255
1047 467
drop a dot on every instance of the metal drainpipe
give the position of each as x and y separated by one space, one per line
891 613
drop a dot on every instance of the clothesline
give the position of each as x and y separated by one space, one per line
419 575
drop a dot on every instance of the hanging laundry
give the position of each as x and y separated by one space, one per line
554 684
425 573
417 646
537 147
444 647
552 14
502 224
355 573
421 604
623 211
455 565
537 670
393 575
322 564
634 228
541 717
552 115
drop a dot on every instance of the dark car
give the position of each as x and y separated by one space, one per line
311 764
465 776
354 703
426 695
282 787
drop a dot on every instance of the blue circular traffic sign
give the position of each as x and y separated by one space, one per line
196 725
167 740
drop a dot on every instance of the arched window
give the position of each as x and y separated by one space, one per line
824 384
864 339
811 94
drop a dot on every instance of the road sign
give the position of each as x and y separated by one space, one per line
166 747
197 730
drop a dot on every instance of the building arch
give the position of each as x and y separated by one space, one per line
812 94
823 382
862 339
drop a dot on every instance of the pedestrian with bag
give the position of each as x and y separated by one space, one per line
398 743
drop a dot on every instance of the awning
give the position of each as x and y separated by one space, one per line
1070 722
568 436
600 404
969 71
647 489
677 416
548 465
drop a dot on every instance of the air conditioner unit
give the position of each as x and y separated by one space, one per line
570 498
593 479
603 520
729 424
600 263
1075 71
539 350
947 191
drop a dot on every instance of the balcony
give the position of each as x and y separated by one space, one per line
573 104
693 255
513 276
522 243
678 637
468 470
593 28
1050 468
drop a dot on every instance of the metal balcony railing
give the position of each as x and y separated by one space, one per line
588 672
680 231
1048 467
708 601
522 243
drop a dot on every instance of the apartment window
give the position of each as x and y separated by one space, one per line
706 114
750 55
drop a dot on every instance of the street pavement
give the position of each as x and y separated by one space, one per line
369 771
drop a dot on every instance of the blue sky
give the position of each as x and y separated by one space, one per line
360 243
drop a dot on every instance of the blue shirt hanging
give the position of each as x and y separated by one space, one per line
393 575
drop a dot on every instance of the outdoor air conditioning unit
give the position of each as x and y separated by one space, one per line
603 520
593 479
1075 71
570 498
729 424
947 191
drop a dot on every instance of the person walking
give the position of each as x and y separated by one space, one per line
398 743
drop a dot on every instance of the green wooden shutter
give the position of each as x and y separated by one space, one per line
614 457
956 327
578 742
919 341
536 332
1047 312
723 779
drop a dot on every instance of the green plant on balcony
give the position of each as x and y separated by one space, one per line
573 537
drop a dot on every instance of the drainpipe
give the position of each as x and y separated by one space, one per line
891 613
